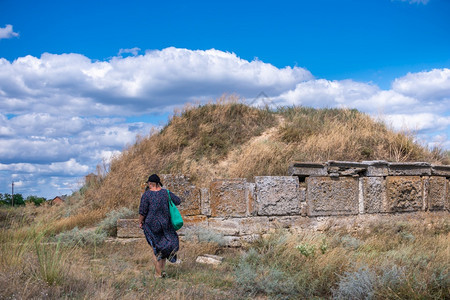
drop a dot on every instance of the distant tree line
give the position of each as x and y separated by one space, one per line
6 199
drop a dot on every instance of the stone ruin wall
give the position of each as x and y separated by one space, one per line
313 196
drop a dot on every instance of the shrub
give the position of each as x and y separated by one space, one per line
204 235
109 224
256 278
81 237
306 249
350 242
356 285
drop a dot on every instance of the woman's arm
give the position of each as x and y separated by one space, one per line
141 220
175 199
143 209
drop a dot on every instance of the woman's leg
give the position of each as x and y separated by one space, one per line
157 265
162 264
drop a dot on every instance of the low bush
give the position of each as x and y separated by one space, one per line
81 237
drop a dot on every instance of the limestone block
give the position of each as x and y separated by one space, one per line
377 168
302 197
410 169
374 195
192 221
229 198
206 207
277 195
287 222
252 225
251 200
307 169
233 241
404 193
345 168
225 226
189 194
447 204
436 193
332 196
209 259
440 170
129 228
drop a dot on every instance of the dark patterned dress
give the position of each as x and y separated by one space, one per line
158 229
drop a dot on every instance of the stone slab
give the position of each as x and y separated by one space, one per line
409 169
224 226
345 168
447 203
129 228
440 171
205 204
288 222
436 196
277 195
189 194
229 197
377 168
307 169
332 196
251 225
374 195
209 259
404 193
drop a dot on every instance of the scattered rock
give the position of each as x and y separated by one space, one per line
209 259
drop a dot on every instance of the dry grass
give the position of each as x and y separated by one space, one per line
407 259
228 139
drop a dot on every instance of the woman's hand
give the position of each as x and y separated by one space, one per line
140 225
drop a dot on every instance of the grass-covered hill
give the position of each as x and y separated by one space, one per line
60 252
229 139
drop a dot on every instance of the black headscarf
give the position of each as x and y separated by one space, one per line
154 178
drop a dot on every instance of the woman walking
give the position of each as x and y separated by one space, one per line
154 218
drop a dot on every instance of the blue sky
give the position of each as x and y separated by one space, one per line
80 79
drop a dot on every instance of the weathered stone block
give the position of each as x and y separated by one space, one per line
374 194
192 221
129 228
251 200
277 195
436 193
447 204
189 194
440 171
287 222
332 196
409 169
252 225
377 168
404 193
204 196
225 226
229 198
307 169
345 168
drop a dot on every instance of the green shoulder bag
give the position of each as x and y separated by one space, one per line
175 216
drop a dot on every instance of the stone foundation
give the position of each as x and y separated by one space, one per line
314 196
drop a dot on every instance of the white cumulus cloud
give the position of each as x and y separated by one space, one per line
61 115
7 32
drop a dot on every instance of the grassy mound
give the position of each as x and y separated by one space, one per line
230 139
